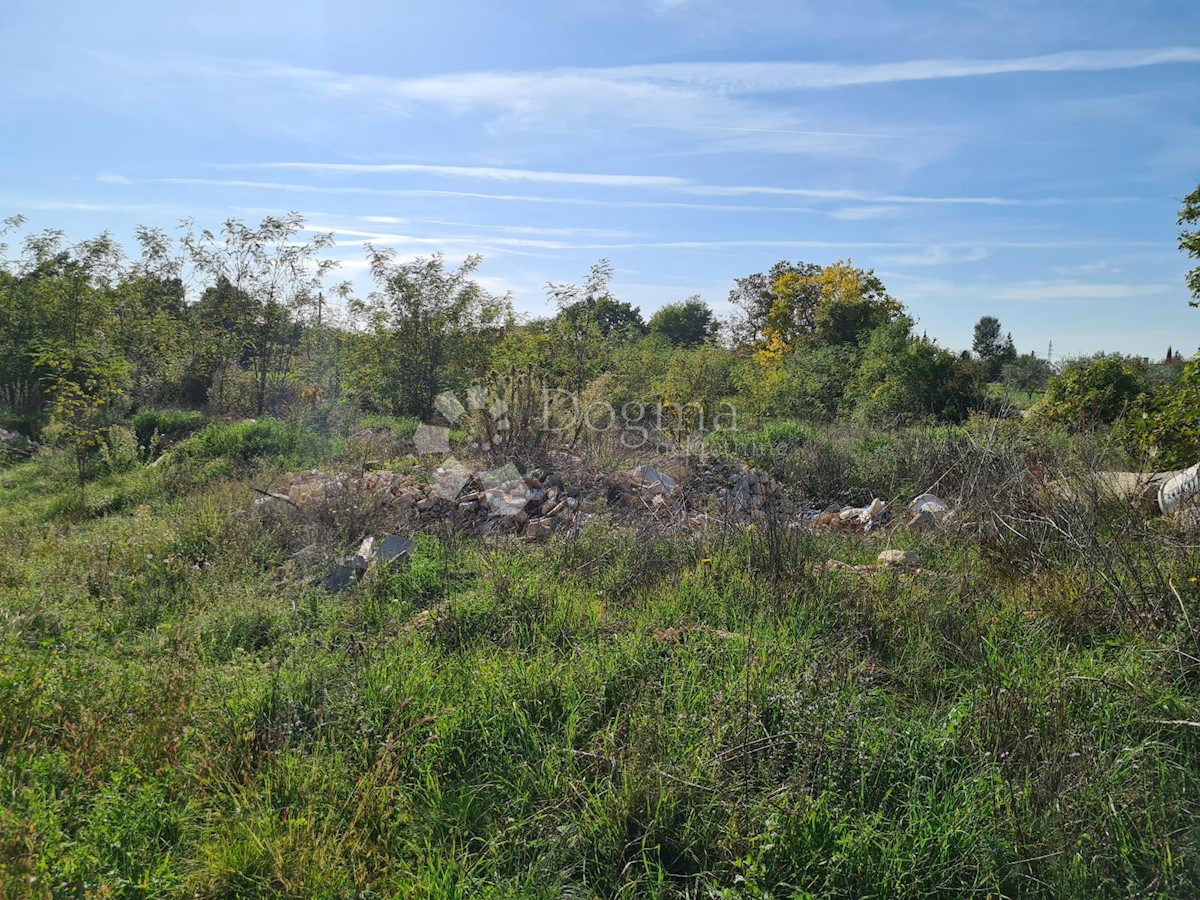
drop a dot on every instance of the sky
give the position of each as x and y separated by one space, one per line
1022 159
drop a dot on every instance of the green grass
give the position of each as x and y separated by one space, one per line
178 720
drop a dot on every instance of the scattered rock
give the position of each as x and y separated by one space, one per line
874 515
340 578
390 548
537 528
927 513
426 617
898 558
360 560
272 503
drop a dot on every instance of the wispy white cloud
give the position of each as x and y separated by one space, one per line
521 92
113 178
744 78
937 255
666 182
866 213
486 173
350 190
1075 290
866 197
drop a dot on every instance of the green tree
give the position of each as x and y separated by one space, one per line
1189 240
429 330
84 386
995 352
614 319
56 298
685 324
903 378
754 296
808 305
266 282
587 316
150 329
1027 373
986 340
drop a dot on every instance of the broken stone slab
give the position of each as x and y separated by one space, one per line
273 502
390 548
928 512
362 558
1142 490
536 529
656 481
874 515
16 442
342 576
928 502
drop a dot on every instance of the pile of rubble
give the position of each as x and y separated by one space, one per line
534 505
753 492
924 513
540 504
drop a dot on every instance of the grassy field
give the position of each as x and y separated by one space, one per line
621 714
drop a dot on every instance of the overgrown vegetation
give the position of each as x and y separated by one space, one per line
713 714
711 711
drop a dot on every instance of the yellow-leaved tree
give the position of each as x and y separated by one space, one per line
811 306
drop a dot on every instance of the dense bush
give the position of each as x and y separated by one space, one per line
244 442
1093 391
170 425
1165 425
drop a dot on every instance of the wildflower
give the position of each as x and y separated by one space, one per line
707 561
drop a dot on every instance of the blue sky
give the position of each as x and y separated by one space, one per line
1019 159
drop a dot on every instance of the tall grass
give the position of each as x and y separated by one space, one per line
616 714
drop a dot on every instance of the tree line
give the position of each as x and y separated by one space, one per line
249 320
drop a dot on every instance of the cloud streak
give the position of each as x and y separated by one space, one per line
520 92
486 173
666 182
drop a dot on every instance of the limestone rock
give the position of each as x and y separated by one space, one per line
898 558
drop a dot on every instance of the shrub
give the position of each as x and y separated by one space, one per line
171 425
1094 391
119 450
243 442
1165 425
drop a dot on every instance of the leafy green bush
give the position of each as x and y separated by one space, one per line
170 425
243 442
1093 391
1165 425
905 379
